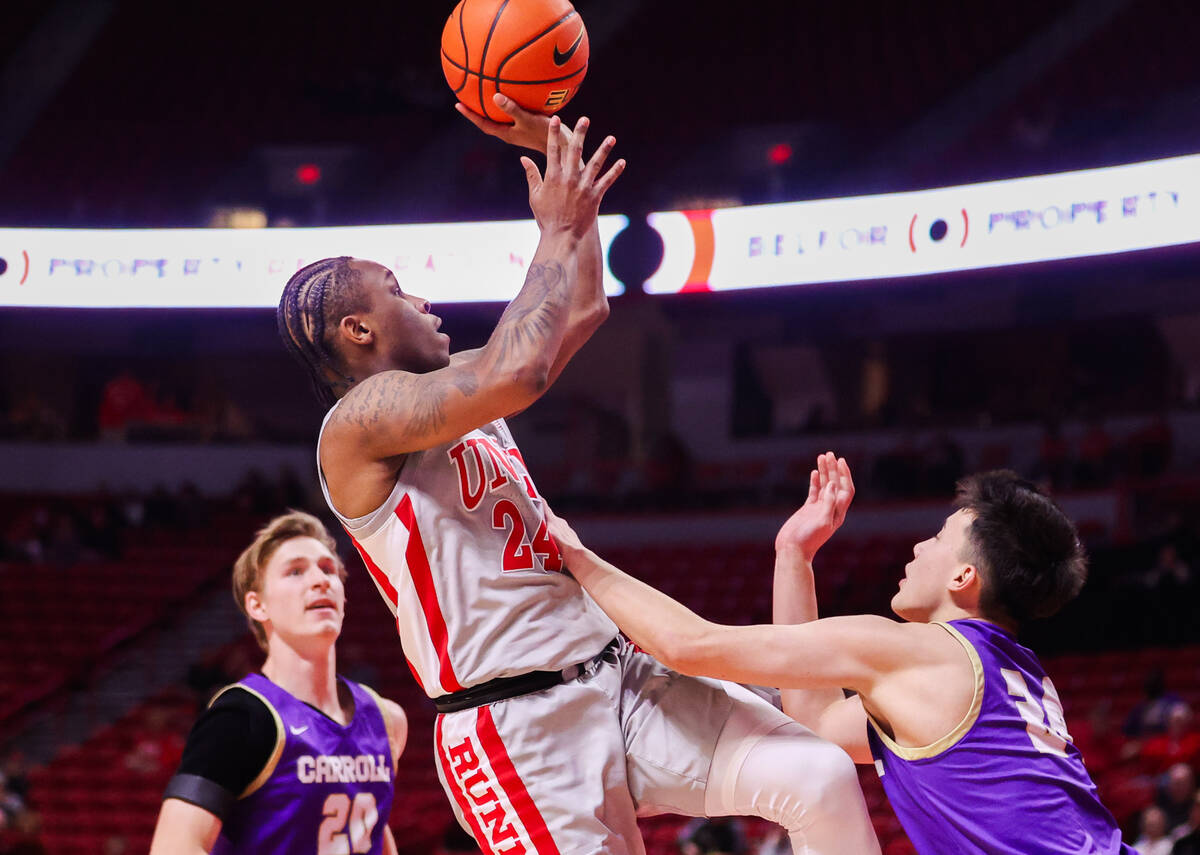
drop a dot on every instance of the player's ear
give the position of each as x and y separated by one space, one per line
254 606
356 330
966 580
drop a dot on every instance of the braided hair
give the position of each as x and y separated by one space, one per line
314 301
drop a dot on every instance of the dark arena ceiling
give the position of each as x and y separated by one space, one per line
138 113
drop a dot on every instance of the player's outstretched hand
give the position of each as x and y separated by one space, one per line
528 129
830 491
567 198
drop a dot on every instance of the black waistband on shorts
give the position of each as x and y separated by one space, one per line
510 687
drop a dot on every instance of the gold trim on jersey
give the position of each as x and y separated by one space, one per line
387 726
273 760
960 730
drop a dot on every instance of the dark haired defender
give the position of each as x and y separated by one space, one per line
961 721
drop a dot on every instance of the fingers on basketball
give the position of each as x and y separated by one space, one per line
535 52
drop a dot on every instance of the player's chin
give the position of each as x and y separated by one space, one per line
328 620
329 630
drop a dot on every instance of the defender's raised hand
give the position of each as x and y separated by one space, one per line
830 492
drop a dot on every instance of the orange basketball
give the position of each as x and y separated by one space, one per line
534 51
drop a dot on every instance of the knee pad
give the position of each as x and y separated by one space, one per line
793 778
777 769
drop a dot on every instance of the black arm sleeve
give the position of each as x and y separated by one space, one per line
228 747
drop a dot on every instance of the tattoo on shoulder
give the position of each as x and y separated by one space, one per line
466 381
419 400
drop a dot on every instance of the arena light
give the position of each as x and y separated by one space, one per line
1043 218
779 154
308 173
235 268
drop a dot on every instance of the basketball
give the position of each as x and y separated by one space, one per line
534 51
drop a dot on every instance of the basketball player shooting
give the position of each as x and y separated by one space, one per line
553 735
961 721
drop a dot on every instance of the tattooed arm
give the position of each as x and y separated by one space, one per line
393 413
589 305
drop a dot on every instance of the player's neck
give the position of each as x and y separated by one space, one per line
310 677
950 611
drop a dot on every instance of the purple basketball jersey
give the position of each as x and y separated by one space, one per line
327 787
1007 780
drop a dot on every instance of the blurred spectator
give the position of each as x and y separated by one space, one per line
721 835
240 660
255 494
292 493
22 536
11 804
218 418
226 666
1149 716
1169 572
115 844
1098 739
161 508
1188 842
1154 839
1160 597
65 533
62 545
164 418
1180 743
1178 794
133 509
32 418
124 401
101 529
157 748
774 843
191 511
132 409
23 836
875 394
15 773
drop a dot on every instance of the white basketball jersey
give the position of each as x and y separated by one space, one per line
460 553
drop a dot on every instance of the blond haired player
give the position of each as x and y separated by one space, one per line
295 758
553 735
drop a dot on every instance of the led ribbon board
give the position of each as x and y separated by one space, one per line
999 223
232 268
